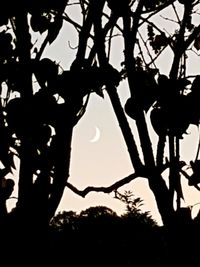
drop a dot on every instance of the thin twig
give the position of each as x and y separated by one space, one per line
148 52
180 45
176 13
109 42
171 20
157 55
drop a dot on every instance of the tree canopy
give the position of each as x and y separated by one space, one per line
39 107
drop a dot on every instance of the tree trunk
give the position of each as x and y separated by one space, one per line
62 155
156 182
23 52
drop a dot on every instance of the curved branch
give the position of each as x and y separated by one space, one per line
103 189
142 173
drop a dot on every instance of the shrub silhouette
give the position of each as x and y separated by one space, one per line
100 236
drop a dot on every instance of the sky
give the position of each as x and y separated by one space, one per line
104 162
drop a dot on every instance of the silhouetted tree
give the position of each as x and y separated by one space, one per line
36 128
100 237
133 208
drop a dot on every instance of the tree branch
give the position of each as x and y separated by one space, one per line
83 36
125 128
192 37
142 173
103 189
180 45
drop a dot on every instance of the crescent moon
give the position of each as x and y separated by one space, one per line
96 136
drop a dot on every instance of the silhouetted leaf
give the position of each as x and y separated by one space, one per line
159 41
86 80
39 23
145 90
158 121
46 72
109 76
44 107
41 136
130 108
16 113
54 29
14 73
6 48
143 94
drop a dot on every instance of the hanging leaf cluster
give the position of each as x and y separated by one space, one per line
175 111
157 41
47 16
144 93
90 79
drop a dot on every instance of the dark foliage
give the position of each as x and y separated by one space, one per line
98 236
